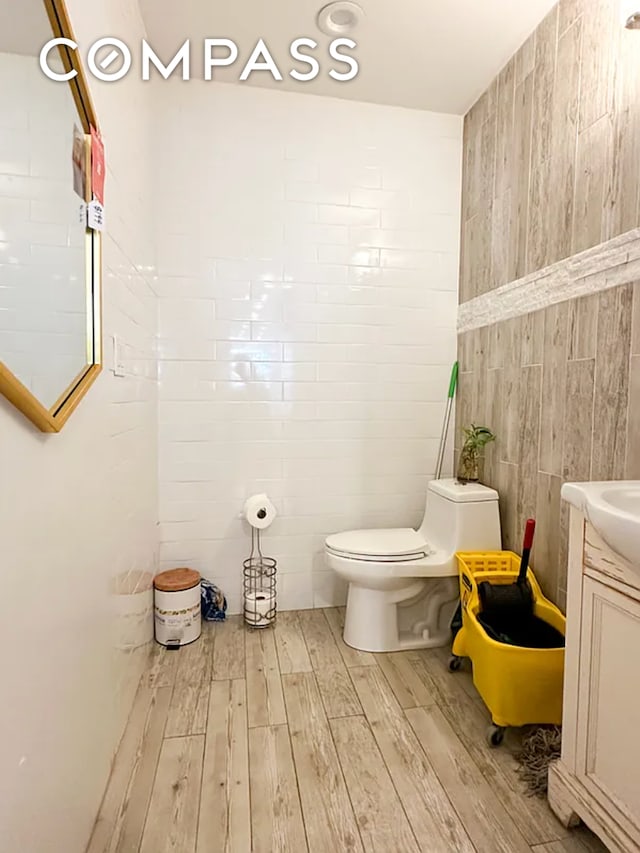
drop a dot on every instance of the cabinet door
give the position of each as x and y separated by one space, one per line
608 747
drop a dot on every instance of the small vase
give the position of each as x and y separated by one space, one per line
468 470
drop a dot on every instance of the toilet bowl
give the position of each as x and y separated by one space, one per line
403 583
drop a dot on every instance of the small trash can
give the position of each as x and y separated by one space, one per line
178 617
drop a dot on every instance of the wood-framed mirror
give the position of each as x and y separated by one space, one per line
50 262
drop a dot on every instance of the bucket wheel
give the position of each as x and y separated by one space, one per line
495 735
455 663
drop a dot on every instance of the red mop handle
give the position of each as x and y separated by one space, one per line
529 531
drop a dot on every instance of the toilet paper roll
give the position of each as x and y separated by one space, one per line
259 512
259 608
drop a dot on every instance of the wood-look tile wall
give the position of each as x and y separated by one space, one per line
561 389
552 149
551 168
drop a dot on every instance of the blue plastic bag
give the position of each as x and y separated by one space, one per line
212 601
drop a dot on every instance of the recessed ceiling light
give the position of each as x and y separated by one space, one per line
340 18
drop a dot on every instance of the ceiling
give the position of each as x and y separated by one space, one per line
26 32
414 53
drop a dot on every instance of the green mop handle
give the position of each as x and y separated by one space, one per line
453 384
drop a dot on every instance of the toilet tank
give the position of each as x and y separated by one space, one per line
461 517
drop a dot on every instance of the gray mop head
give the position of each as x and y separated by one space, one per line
539 748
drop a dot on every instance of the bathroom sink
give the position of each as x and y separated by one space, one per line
625 499
614 510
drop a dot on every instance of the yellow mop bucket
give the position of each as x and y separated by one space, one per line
518 685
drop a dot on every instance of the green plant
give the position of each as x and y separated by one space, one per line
476 438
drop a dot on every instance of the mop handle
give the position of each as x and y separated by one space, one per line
529 532
453 384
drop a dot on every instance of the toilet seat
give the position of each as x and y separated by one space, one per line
399 545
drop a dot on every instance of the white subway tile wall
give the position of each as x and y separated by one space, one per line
78 513
42 243
308 257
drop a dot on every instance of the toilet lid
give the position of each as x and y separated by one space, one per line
402 543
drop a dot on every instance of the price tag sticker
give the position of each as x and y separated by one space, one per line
95 216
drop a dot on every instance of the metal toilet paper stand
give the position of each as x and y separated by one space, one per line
259 583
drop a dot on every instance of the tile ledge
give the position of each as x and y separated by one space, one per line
611 264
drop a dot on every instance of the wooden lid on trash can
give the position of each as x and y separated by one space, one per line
176 580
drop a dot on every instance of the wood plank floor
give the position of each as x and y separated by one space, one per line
288 740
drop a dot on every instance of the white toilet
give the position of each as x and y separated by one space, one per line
403 584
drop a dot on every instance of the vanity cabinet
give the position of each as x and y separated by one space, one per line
597 779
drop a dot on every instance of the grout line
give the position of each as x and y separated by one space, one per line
155 772
472 761
246 715
440 782
284 704
204 751
141 687
182 737
212 651
344 780
345 668
497 770
275 643
421 748
293 757
635 295
247 758
596 360
342 716
576 141
295 773
389 774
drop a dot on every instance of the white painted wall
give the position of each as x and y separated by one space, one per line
308 268
78 523
43 316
